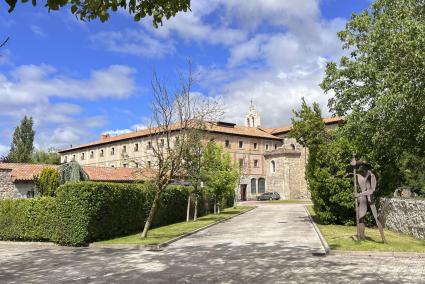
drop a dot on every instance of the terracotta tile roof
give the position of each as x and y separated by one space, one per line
210 126
26 172
285 129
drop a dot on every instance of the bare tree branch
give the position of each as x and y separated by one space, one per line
4 42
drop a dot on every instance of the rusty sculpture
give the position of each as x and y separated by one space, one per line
366 180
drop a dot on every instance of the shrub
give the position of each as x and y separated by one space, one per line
90 211
47 182
27 219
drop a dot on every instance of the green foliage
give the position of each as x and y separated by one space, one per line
381 84
87 10
89 211
72 172
219 173
413 170
30 219
47 182
22 143
51 157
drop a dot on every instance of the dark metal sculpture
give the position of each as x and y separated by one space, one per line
367 183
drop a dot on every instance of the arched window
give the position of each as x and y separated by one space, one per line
273 166
293 146
261 185
253 122
253 186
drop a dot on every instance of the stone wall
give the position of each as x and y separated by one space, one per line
403 215
8 189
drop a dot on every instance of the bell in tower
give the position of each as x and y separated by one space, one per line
252 119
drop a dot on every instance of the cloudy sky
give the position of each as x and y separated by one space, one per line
78 79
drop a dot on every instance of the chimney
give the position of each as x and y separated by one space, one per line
104 136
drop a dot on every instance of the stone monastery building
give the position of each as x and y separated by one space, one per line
268 158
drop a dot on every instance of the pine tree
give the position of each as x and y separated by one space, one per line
22 145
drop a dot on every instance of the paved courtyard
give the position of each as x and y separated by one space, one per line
271 244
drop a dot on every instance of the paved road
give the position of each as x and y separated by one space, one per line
271 244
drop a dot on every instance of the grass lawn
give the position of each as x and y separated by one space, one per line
341 237
165 233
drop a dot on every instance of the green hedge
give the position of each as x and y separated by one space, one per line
83 212
27 219
90 211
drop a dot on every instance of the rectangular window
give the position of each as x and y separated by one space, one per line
124 165
256 164
267 147
149 145
275 146
101 153
161 142
73 157
240 144
91 155
65 159
136 147
82 156
149 164
255 146
124 149
240 163
112 151
177 141
227 144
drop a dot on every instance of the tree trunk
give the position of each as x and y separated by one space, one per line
218 208
188 209
215 206
195 213
152 213
235 201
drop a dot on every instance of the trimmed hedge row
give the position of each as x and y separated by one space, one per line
83 212
27 219
90 211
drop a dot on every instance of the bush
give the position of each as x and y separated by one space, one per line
27 219
47 182
91 211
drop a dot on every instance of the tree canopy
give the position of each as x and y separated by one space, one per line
380 84
87 10
22 145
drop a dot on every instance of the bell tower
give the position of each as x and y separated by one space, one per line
252 118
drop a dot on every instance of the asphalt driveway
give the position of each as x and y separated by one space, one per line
271 244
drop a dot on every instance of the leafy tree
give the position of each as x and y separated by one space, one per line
381 84
50 157
22 143
219 173
47 182
329 159
72 172
87 10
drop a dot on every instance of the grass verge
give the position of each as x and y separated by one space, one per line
341 237
165 233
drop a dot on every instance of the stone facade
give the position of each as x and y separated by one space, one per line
269 160
10 189
403 215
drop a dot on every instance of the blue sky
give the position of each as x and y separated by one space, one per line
79 79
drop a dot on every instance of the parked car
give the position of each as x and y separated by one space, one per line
269 196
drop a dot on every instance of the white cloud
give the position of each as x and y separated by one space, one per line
133 42
3 150
32 84
38 31
117 132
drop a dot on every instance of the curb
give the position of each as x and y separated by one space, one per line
322 239
33 244
394 254
158 247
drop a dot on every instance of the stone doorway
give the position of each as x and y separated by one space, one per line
243 192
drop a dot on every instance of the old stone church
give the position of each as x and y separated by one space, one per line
269 160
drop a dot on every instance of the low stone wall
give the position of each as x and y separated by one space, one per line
403 215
